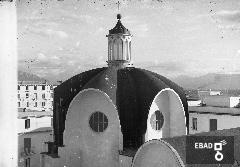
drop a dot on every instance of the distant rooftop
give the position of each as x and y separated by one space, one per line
37 83
33 113
214 110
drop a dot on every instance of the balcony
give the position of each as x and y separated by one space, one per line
24 152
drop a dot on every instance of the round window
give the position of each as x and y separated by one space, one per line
157 120
98 121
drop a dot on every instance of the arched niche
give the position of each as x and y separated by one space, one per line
157 153
84 146
170 118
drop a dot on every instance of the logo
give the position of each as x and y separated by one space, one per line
210 150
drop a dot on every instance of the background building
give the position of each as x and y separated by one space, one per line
35 95
214 113
34 130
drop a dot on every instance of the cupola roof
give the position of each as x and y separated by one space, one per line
119 28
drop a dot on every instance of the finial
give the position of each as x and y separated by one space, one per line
118 3
119 16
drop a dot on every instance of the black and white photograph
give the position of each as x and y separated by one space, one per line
120 83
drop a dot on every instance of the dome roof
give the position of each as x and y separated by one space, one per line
131 90
119 28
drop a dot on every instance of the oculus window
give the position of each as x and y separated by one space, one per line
157 120
98 121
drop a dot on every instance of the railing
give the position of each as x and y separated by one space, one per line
27 151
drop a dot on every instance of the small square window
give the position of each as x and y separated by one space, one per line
194 123
27 145
27 162
27 123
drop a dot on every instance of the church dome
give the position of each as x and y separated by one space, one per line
132 90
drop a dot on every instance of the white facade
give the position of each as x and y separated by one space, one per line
33 123
224 118
31 145
35 96
221 101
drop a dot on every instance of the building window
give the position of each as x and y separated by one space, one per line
213 124
27 95
35 104
194 123
43 104
51 95
98 121
27 162
18 96
27 123
43 95
35 87
27 145
51 87
157 120
51 121
43 87
18 87
19 104
26 87
35 96
27 104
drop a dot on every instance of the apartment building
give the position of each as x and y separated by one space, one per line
35 96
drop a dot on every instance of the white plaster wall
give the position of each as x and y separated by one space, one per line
35 123
177 115
223 122
234 101
194 103
83 146
160 103
168 102
37 146
218 101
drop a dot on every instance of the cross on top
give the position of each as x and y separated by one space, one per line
118 3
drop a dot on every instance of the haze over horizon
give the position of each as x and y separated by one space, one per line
59 39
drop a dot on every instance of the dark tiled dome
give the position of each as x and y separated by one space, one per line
131 89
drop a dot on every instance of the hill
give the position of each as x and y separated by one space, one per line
24 76
210 81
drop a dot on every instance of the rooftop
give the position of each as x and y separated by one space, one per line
214 110
33 113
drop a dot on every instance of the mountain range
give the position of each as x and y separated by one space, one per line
208 81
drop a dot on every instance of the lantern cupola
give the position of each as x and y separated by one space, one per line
119 45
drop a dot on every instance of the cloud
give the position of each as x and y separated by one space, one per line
57 33
231 16
170 68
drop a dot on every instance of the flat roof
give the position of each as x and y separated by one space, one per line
214 110
34 114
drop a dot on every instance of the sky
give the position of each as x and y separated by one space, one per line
59 39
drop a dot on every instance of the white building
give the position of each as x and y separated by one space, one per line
35 96
218 113
31 145
34 130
